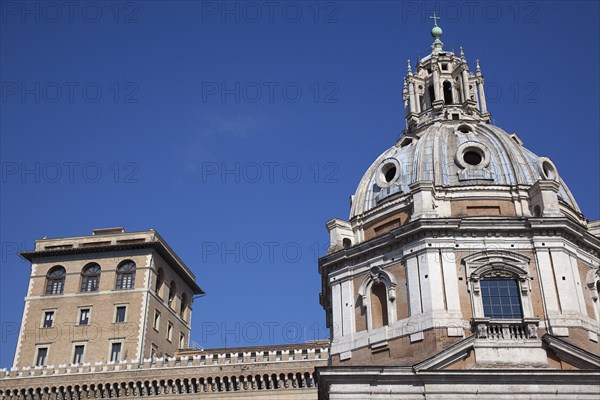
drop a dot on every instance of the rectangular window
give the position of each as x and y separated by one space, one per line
90 283
170 332
120 315
48 319
126 280
41 356
55 285
84 316
501 299
181 340
78 354
115 352
156 323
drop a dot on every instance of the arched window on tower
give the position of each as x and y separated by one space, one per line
90 278
55 280
183 306
159 281
126 275
431 95
448 93
379 311
172 291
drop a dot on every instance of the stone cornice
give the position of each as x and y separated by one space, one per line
407 375
457 227
572 354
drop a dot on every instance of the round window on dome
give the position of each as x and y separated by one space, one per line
465 129
473 157
389 171
548 170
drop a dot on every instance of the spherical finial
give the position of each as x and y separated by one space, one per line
436 32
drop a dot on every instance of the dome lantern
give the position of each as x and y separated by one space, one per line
442 88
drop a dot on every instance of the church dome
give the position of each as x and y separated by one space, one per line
455 156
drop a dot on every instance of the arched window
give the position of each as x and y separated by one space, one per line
431 92
183 306
448 93
90 278
55 280
379 311
501 299
126 275
499 285
159 281
500 289
593 284
377 293
172 291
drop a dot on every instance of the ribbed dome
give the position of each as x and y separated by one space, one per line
454 154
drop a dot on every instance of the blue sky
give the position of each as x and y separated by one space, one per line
236 131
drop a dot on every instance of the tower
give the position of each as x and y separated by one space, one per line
107 297
464 251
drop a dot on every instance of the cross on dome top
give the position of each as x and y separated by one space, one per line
436 33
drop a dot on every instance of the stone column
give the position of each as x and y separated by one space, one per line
417 102
465 84
481 96
411 96
436 82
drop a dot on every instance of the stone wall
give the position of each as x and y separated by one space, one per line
281 374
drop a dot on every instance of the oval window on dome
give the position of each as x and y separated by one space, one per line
548 169
473 157
388 173
465 128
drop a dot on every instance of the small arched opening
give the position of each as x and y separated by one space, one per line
448 99
431 92
172 291
160 277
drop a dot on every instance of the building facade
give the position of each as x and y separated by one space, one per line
466 270
109 315
466 267
110 296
